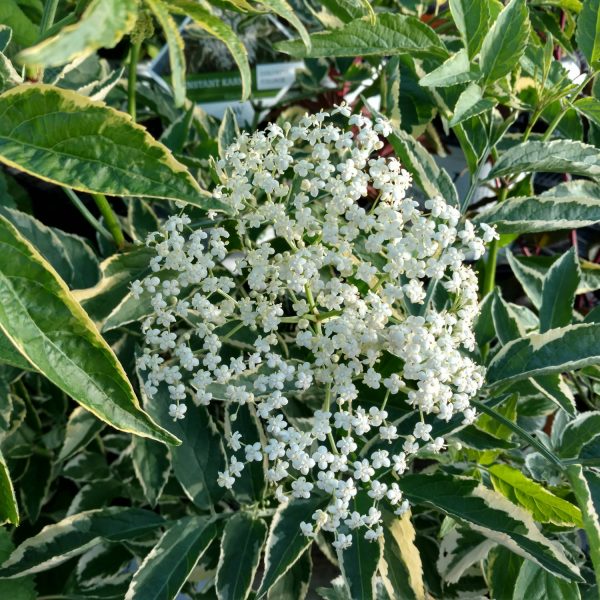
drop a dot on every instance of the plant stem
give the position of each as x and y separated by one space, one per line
87 215
489 273
520 432
134 56
112 222
48 16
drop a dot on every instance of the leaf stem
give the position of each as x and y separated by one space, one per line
134 56
87 215
489 272
111 219
520 432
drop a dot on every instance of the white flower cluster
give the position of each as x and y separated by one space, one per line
324 283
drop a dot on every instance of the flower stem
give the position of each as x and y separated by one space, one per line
489 273
134 56
48 16
111 219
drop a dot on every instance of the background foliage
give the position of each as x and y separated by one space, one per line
111 499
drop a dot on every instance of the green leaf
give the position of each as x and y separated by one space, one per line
152 467
555 388
25 32
176 48
74 535
490 514
197 462
283 9
102 25
529 278
470 104
588 32
461 548
241 547
558 292
502 569
535 214
506 324
295 582
457 69
286 543
556 351
14 589
559 156
88 146
590 108
167 567
541 503
9 511
216 27
359 562
505 42
348 10
400 566
9 355
390 34
34 485
534 583
475 438
228 131
586 487
578 432
43 320
432 179
471 18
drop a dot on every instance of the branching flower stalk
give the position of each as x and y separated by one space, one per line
321 292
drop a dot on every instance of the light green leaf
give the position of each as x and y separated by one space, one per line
541 503
471 18
176 48
505 42
285 11
588 32
470 104
167 567
535 214
558 292
43 320
286 543
558 156
241 547
556 351
490 514
390 34
578 432
9 511
348 10
359 563
152 467
534 583
457 69
216 27
400 567
432 179
88 146
590 108
74 535
102 25
82 427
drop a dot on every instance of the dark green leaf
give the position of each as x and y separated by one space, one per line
471 18
588 32
534 583
82 426
9 511
241 547
164 571
558 292
152 467
502 569
57 543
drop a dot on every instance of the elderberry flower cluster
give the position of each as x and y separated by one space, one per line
325 287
